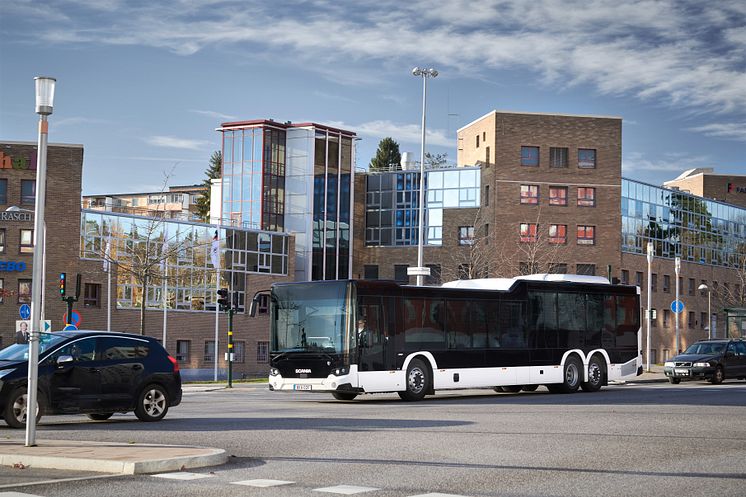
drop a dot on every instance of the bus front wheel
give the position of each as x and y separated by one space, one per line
571 377
418 381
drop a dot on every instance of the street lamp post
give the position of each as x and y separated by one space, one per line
677 267
649 312
420 271
702 288
44 107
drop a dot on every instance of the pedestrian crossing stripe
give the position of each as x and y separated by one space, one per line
345 489
262 483
182 475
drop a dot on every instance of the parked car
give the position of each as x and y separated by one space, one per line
712 360
91 372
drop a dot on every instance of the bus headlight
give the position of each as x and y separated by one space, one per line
274 371
340 371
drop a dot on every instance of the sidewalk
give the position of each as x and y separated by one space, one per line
654 376
106 457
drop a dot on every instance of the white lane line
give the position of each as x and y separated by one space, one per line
182 475
345 489
262 483
17 494
437 495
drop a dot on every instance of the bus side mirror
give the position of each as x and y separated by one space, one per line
253 306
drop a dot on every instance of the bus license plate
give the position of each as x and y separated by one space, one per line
301 387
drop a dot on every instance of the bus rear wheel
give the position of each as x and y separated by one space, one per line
596 374
418 381
344 395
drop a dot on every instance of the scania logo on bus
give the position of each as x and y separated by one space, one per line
301 371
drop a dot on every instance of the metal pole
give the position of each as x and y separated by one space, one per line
217 310
677 267
650 303
709 313
165 303
421 226
36 282
230 347
108 304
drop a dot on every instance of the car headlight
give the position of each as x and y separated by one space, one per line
340 371
701 364
274 371
668 364
5 372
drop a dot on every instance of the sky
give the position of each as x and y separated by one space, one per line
143 84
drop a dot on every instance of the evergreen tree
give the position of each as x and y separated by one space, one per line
214 171
387 156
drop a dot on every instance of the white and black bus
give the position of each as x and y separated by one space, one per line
351 337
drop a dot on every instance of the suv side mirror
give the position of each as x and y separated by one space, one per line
64 359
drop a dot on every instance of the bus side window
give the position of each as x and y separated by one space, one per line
481 321
457 324
594 320
511 330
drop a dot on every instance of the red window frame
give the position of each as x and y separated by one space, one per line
528 232
557 195
586 235
586 196
558 234
526 194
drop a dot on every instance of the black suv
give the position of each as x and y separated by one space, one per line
91 372
712 360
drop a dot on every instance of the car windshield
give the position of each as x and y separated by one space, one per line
19 351
705 348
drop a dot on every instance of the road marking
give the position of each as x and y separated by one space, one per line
182 475
262 483
17 494
437 495
345 489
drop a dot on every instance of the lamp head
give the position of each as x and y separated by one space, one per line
702 287
433 72
416 71
44 95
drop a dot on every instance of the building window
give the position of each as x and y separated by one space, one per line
466 235
586 235
654 282
690 321
529 194
654 318
182 350
239 352
530 156
702 320
3 191
557 195
464 271
2 290
92 295
370 272
691 286
625 277
24 291
2 240
586 196
486 195
263 304
209 355
262 352
487 156
638 278
400 273
528 268
558 233
28 191
586 158
477 141
557 268
27 242
486 234
528 232
557 157
434 279
586 269
667 283
666 318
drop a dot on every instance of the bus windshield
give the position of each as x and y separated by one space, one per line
311 317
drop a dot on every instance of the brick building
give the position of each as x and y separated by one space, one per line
77 241
704 182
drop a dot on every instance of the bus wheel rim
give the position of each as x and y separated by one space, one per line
416 380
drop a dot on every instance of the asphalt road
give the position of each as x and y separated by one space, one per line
646 439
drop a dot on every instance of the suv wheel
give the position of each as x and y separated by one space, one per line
152 404
16 408
718 376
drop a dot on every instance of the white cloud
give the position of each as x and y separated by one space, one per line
402 133
77 121
213 114
174 142
670 162
729 131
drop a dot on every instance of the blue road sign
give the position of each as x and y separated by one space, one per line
70 327
24 311
677 306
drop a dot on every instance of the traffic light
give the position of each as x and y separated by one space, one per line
63 281
224 302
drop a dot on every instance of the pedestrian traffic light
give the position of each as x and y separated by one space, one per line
63 281
224 302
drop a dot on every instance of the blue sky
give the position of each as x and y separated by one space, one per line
143 84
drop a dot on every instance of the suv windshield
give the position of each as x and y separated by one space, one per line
311 317
19 351
705 348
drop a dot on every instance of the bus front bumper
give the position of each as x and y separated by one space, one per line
332 383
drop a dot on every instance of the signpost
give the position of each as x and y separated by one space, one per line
677 307
25 312
75 319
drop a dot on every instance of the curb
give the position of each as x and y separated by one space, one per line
208 457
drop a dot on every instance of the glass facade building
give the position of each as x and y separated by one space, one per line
392 201
180 252
682 225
